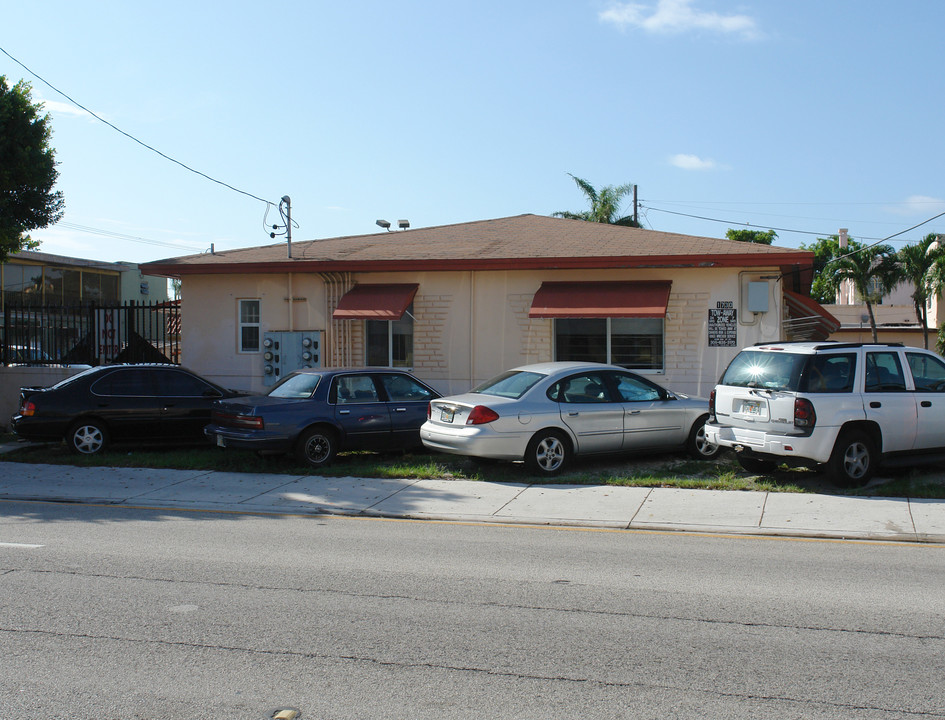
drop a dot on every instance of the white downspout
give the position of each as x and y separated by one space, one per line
472 328
289 303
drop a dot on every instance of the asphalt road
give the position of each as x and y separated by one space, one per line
121 613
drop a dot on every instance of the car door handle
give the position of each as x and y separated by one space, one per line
573 413
875 404
926 403
403 409
633 412
344 412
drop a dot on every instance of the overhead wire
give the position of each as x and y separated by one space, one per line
805 232
792 230
122 236
886 239
269 203
132 137
738 222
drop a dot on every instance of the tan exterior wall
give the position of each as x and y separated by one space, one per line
468 326
894 323
210 321
907 336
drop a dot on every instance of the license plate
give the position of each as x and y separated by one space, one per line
751 407
221 442
447 414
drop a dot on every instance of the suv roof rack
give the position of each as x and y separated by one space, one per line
835 345
829 344
787 342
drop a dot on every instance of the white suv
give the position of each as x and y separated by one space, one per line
843 405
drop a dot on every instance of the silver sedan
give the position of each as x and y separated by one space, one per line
547 413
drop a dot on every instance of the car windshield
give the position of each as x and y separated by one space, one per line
511 384
766 370
296 386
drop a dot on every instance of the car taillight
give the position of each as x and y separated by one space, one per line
804 415
250 422
480 415
28 409
429 410
712 406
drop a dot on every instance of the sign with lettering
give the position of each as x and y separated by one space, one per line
723 325
107 334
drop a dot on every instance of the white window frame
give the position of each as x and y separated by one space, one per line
609 346
390 340
240 324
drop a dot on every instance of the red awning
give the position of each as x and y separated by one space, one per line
375 302
638 299
807 319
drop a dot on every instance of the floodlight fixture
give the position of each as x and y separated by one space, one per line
403 224
384 224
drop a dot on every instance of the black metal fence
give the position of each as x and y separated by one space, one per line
91 334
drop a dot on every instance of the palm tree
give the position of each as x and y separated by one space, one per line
917 264
605 204
935 278
873 272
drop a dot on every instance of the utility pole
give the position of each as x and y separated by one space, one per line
636 220
288 224
287 216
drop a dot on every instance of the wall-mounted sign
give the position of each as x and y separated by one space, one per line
723 325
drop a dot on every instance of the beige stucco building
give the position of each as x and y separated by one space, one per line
461 303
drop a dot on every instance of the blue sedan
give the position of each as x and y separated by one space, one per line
316 413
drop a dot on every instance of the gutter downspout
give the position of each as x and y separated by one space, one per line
339 339
289 303
472 329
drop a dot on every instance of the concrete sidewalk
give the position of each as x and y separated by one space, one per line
710 511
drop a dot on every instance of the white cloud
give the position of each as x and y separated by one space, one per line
60 108
918 205
692 162
677 16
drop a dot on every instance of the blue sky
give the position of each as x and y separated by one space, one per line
803 116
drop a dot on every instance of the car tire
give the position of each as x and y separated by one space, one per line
758 466
696 444
87 437
317 447
854 459
548 452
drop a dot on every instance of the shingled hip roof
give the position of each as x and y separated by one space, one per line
521 242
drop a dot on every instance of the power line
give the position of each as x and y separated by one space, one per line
867 247
930 201
791 230
121 236
132 137
734 222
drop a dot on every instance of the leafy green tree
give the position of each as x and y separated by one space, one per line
27 170
918 264
873 271
764 237
605 204
826 283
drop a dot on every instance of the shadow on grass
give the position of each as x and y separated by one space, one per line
638 470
